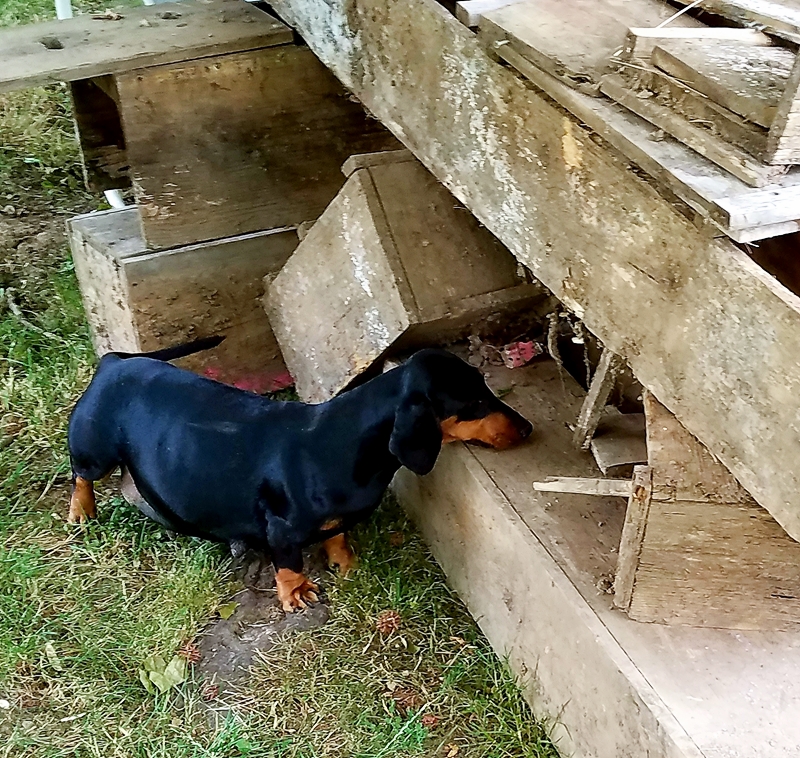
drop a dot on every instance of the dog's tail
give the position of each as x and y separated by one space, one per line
178 351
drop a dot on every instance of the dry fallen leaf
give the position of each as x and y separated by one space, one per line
452 751
429 721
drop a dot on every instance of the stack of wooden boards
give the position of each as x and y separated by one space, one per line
716 107
231 135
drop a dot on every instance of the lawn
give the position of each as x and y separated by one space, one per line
81 609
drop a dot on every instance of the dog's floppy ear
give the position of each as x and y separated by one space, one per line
416 438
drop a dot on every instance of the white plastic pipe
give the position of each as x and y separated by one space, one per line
63 9
114 198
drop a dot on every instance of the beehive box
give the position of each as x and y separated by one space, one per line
137 300
394 261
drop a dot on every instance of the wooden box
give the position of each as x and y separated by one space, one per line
138 300
395 261
238 143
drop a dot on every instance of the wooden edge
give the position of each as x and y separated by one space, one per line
577 485
366 160
599 390
384 230
787 106
469 12
639 41
730 157
633 531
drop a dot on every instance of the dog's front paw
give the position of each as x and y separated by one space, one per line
295 590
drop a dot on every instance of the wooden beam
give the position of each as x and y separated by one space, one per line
715 337
599 391
83 47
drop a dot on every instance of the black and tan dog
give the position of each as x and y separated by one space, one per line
216 462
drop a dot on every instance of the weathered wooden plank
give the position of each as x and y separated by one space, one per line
605 376
700 324
83 47
780 17
619 443
713 692
705 553
739 163
696 108
783 144
469 12
747 80
139 301
556 37
237 143
640 42
734 207
630 546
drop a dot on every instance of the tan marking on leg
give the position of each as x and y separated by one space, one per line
294 590
339 554
82 503
331 523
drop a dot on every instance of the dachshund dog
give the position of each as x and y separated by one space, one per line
213 461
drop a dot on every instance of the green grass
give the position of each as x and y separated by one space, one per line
80 609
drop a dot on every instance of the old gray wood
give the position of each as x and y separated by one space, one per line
83 47
710 333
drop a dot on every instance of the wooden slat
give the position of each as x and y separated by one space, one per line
783 144
87 47
640 42
573 40
576 485
733 159
747 80
696 108
630 546
708 189
599 390
780 17
700 324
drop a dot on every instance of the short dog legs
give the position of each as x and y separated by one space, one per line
295 589
82 503
339 554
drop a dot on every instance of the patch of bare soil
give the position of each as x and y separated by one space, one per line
32 247
229 646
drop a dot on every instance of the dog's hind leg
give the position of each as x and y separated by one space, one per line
82 502
339 554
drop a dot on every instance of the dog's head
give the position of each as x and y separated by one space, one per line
444 399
